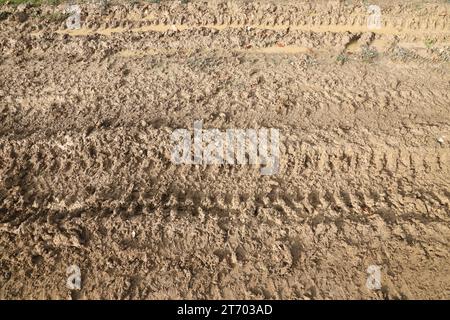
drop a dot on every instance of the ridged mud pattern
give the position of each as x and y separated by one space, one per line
397 19
86 176
311 17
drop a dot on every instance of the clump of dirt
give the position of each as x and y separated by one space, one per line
86 176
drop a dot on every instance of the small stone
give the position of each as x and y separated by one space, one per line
22 7
21 16
440 140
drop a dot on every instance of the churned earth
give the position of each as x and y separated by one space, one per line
86 176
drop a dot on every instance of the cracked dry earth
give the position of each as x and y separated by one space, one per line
86 176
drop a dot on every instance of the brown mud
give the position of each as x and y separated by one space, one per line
86 176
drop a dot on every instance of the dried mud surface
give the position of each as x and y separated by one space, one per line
86 176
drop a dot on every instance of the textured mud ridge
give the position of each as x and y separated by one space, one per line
86 176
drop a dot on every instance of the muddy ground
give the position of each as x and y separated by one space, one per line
86 176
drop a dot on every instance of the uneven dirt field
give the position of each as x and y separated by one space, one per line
86 176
